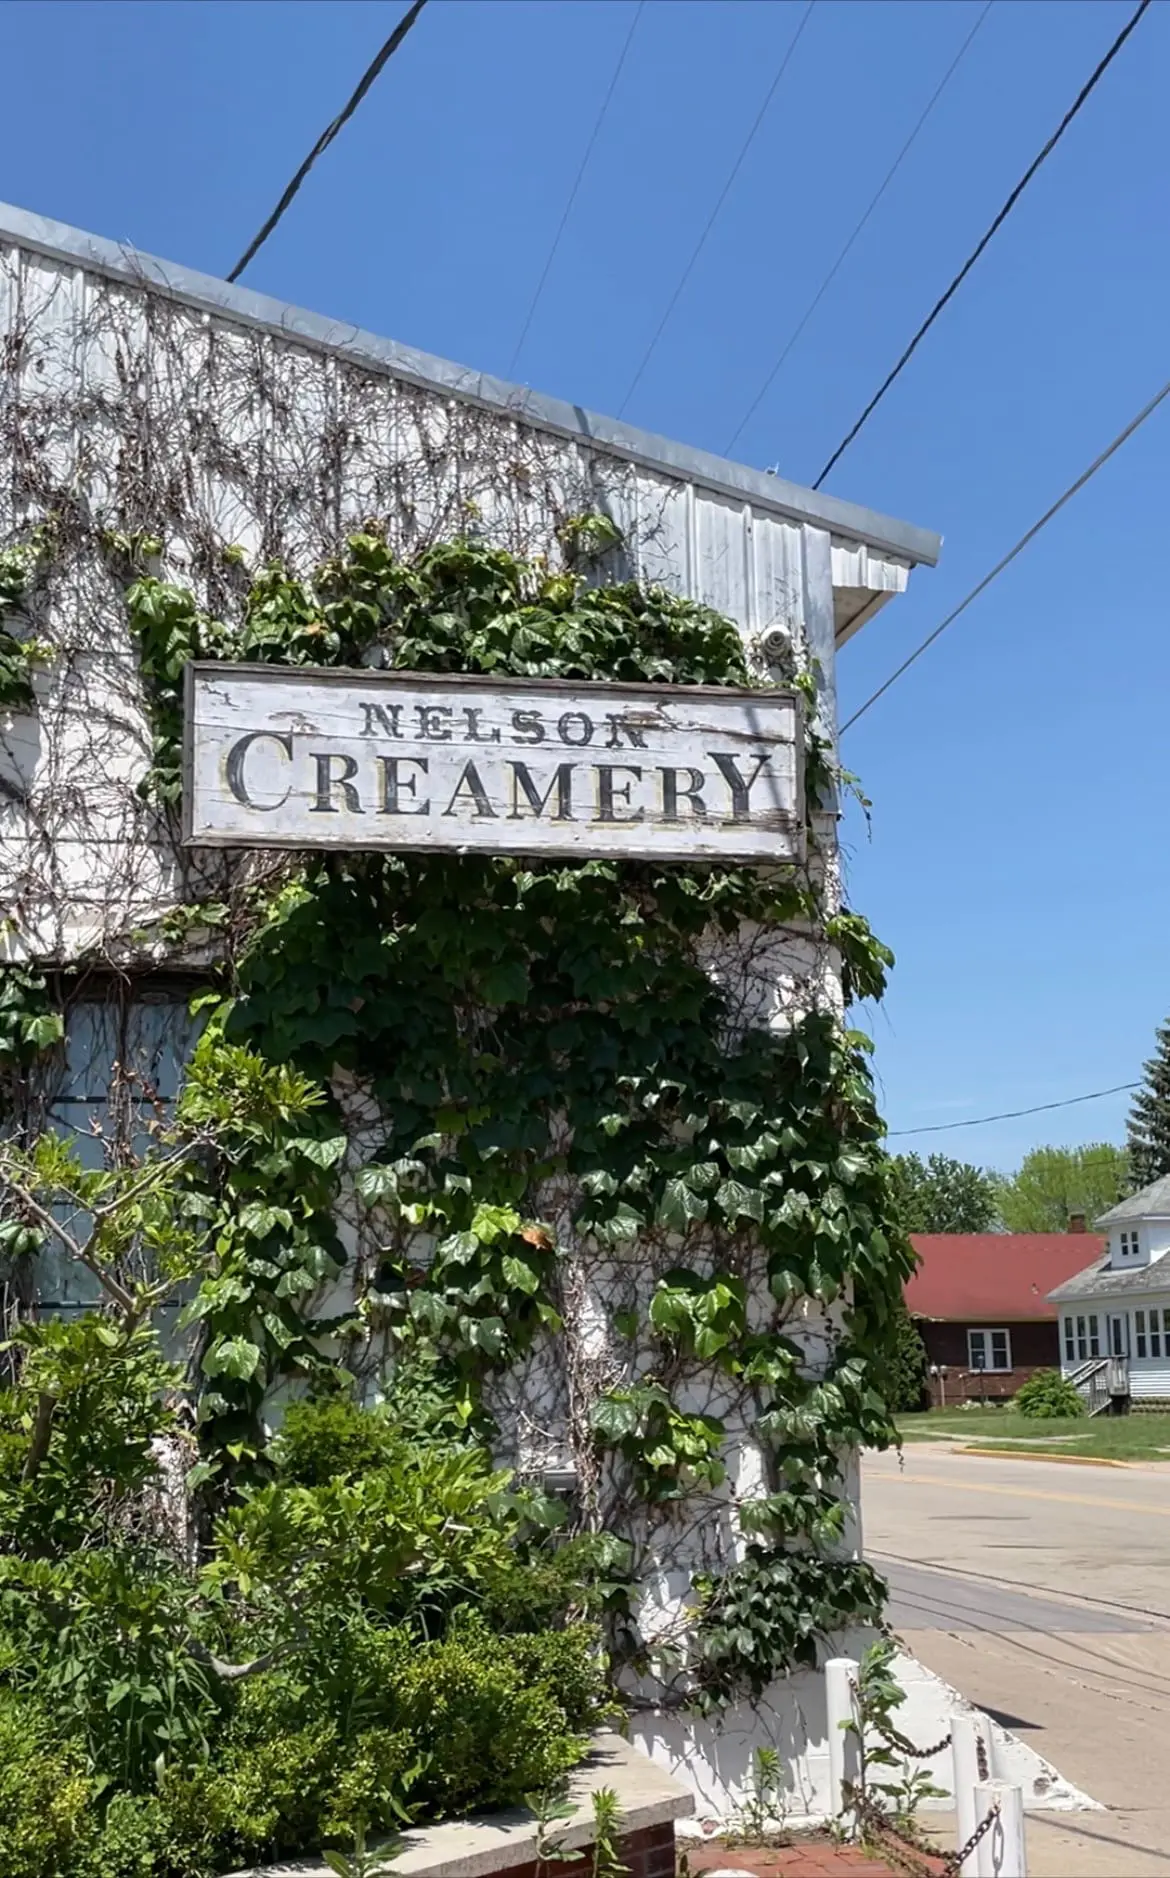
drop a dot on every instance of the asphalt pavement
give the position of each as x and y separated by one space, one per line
1041 1591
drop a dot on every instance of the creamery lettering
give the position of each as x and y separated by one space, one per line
341 784
399 760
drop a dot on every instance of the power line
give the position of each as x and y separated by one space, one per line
326 138
1011 1115
593 136
714 215
821 291
1000 219
1073 488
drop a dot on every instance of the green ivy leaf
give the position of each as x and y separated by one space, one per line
232 1356
680 1207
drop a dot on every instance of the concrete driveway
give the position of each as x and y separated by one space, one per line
1042 1592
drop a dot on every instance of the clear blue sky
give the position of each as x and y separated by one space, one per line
1018 859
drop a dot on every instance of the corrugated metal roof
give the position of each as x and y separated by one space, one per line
993 1277
916 546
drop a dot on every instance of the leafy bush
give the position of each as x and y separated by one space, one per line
380 1633
45 1793
1047 1395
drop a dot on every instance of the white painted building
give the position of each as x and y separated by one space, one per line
139 398
1117 1310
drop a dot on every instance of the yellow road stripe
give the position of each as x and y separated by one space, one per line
1034 1493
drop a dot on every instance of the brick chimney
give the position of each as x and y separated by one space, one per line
1076 1222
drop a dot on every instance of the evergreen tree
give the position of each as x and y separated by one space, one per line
1149 1117
904 1373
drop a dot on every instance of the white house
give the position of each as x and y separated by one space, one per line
1118 1307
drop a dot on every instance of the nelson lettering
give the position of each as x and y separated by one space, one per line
494 765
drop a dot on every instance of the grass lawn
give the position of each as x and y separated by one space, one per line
1107 1437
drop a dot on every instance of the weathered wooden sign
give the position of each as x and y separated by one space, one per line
309 759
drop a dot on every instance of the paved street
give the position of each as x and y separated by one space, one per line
1042 1592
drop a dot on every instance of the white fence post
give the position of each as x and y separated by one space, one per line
971 1752
841 1674
1001 1851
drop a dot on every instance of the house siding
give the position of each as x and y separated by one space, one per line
1149 1376
1034 1345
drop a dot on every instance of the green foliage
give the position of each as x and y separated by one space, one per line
1053 1184
19 653
75 1433
379 1626
264 1199
1148 1131
46 1796
883 1748
904 1373
29 1024
379 1632
1047 1395
944 1195
767 1614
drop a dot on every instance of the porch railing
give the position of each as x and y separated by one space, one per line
1100 1381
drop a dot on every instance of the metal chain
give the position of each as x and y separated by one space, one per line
954 1861
893 1739
881 1823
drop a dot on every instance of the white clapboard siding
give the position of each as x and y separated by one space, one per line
137 397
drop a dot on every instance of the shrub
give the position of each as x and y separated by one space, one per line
45 1794
904 1371
1047 1395
402 1640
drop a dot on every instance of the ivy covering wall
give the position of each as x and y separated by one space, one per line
545 1127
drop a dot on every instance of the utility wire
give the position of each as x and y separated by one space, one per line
1000 219
326 138
1073 488
593 136
821 291
688 270
1011 1115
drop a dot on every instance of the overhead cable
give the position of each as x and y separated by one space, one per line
1011 1115
593 136
326 138
1099 462
1081 97
890 174
714 215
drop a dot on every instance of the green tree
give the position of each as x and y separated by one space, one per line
903 1380
1054 1184
1148 1133
943 1195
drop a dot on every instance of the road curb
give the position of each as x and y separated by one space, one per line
1061 1460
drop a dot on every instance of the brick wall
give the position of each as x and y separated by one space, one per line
1034 1346
649 1854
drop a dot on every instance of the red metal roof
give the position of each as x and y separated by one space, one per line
994 1277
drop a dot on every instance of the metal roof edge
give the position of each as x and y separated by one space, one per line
60 242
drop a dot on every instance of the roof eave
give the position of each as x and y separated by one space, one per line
60 242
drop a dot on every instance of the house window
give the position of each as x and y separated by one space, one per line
1082 1338
1148 1341
1130 1244
989 1349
